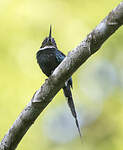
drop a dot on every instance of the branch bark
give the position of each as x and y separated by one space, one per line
54 83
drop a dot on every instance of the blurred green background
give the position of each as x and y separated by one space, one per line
98 84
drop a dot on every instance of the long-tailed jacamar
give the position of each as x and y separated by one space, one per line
48 58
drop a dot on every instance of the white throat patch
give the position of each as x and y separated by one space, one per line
46 47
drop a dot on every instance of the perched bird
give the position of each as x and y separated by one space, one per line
48 58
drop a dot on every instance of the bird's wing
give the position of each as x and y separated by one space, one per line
59 56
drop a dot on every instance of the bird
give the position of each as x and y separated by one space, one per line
49 57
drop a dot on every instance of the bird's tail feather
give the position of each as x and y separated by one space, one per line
68 95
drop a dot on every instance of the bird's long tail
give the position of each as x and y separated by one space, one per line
68 95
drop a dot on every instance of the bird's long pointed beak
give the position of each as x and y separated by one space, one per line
50 32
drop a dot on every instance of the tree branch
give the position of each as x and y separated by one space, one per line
55 82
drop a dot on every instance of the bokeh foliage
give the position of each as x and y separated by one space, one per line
98 84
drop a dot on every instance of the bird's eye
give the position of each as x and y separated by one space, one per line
44 42
53 41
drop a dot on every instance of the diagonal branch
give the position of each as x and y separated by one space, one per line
54 83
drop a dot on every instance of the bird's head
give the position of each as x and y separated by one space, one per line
49 41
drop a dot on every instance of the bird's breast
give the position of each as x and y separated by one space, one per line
45 57
47 61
